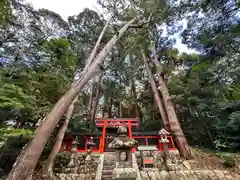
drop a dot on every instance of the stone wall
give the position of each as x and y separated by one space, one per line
179 168
189 175
76 166
175 162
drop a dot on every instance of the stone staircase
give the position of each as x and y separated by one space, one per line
108 165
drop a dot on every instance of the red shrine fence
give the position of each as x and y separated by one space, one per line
103 140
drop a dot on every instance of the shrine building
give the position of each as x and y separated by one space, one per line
107 130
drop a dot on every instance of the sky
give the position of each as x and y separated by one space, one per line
64 7
73 7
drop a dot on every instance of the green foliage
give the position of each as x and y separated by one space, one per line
31 91
5 12
9 132
12 141
14 97
42 54
229 159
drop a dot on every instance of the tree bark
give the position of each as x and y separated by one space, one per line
94 52
26 165
58 141
134 94
109 109
90 104
95 103
172 117
156 93
120 110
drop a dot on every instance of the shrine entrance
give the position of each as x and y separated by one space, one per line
107 131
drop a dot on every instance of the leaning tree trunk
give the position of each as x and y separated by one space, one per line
171 114
156 93
26 165
173 120
95 103
58 141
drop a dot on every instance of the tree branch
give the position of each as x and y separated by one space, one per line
142 24
94 52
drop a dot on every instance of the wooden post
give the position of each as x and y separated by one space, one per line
130 133
103 136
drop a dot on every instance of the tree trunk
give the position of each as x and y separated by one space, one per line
134 94
110 108
95 103
90 104
172 117
26 165
98 43
120 110
156 93
58 141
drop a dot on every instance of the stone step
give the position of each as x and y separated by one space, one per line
107 177
108 167
107 172
109 163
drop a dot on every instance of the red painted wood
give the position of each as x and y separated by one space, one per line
115 124
117 120
103 136
171 138
146 141
142 137
148 161
130 133
104 123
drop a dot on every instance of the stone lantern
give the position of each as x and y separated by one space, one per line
91 144
74 146
164 135
123 147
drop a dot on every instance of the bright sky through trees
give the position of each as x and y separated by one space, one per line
73 7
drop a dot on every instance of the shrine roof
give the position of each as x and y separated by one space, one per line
88 134
153 133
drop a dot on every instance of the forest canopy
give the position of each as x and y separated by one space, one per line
41 55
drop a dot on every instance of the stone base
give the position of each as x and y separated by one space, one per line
190 175
124 174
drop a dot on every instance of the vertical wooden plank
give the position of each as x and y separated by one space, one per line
146 141
171 138
103 136
130 133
